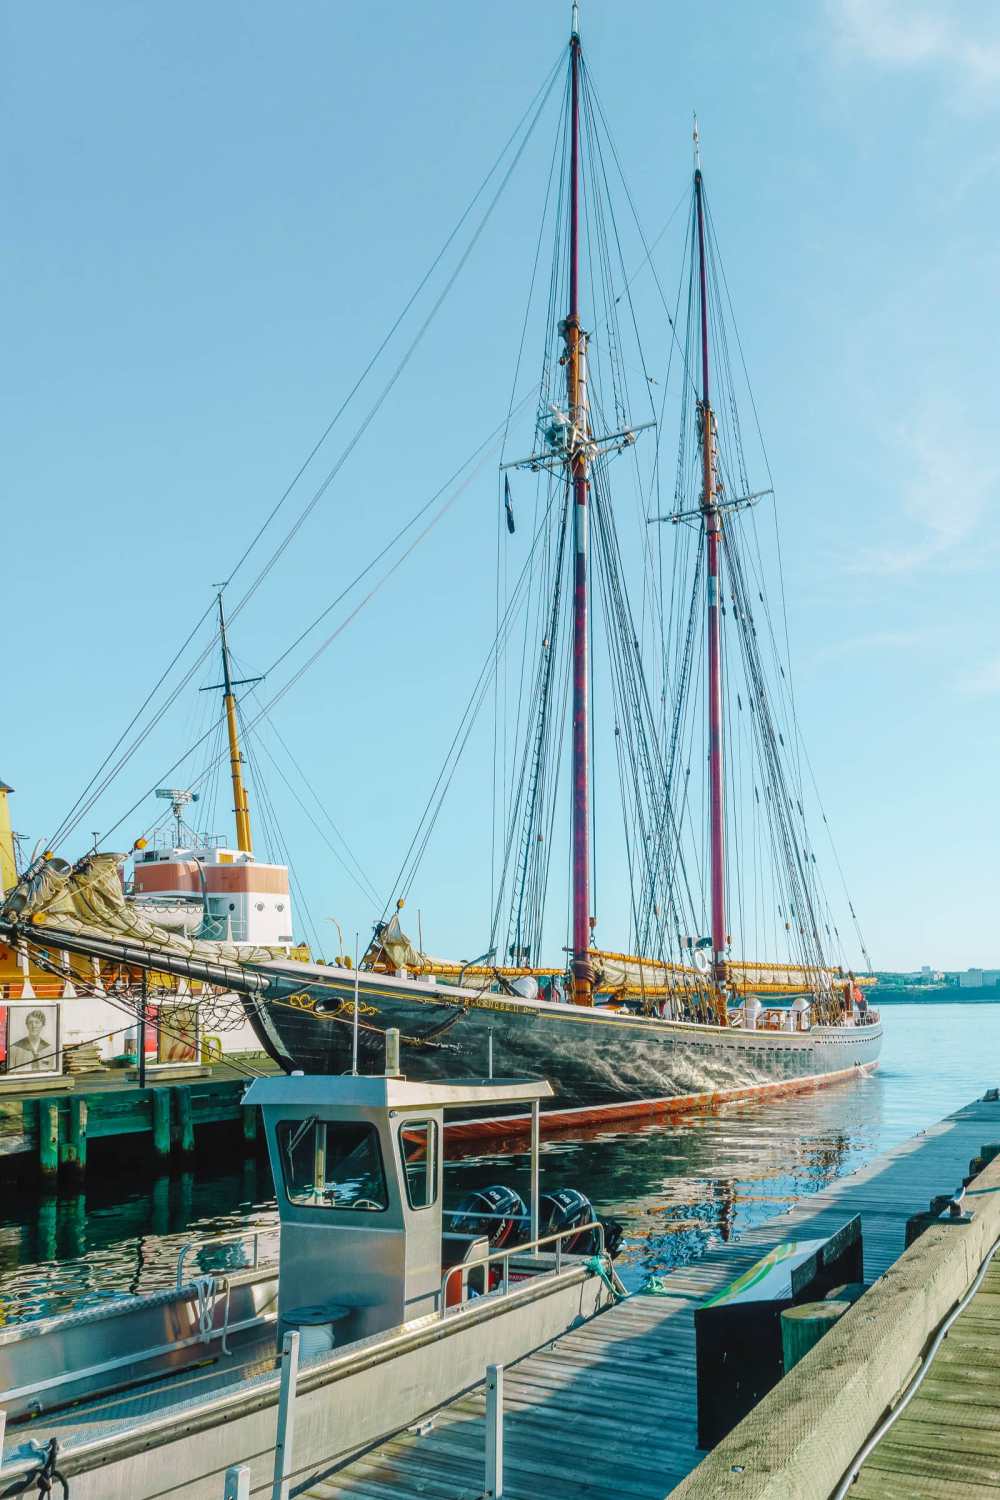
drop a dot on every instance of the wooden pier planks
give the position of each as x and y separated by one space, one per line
608 1410
947 1442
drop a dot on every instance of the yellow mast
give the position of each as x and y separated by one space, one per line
8 865
244 840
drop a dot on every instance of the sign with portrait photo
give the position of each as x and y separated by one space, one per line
33 1041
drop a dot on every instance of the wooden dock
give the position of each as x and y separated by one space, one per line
947 1442
608 1410
46 1134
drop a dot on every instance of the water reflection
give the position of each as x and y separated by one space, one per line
677 1186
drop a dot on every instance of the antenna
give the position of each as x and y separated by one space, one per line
575 23
179 797
696 137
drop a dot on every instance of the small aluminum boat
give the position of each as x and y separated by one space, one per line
373 1318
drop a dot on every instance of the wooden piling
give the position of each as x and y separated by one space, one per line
48 1139
249 1112
161 1121
802 1327
185 1119
75 1150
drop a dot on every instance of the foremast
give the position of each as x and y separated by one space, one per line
577 464
241 807
712 515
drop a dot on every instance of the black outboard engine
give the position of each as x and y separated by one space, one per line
496 1212
565 1209
568 1207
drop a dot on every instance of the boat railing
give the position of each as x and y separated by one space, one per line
504 1258
239 1237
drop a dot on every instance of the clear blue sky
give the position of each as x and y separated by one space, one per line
212 215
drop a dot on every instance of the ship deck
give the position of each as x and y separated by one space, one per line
609 1408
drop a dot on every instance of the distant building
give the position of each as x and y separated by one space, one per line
976 979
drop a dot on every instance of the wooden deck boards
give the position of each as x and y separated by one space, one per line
948 1439
608 1409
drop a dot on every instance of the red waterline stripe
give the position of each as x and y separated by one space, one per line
553 1121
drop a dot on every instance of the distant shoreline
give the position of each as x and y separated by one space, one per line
948 997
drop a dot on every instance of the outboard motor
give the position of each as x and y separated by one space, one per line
567 1207
496 1212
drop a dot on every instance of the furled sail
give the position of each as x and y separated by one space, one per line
88 900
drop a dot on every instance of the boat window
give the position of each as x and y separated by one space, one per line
332 1164
418 1148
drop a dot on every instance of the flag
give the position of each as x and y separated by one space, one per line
508 507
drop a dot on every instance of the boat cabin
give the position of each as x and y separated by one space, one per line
358 1173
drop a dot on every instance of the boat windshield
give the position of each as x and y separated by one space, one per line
332 1164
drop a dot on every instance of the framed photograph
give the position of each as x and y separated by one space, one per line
33 1040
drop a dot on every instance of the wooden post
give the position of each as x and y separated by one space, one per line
48 1139
161 1121
141 1055
237 1483
804 1326
76 1151
249 1113
184 1119
283 1442
494 1432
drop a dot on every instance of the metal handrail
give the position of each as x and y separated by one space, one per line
530 1248
237 1238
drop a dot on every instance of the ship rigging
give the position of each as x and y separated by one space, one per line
713 865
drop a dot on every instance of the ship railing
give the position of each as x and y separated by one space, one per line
504 1258
213 1242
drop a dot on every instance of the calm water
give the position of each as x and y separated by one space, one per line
677 1187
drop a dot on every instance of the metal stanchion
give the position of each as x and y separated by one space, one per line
237 1483
281 1489
494 1432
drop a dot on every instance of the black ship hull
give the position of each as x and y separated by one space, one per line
590 1055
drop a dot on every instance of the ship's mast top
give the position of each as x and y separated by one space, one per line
241 808
574 29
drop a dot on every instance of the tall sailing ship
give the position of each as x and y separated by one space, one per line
675 1011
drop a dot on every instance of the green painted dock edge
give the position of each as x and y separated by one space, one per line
803 1437
53 1135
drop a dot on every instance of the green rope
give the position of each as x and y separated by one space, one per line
596 1264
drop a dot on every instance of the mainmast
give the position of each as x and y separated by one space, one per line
576 390
241 807
713 532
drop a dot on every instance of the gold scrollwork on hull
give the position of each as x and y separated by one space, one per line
338 1012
